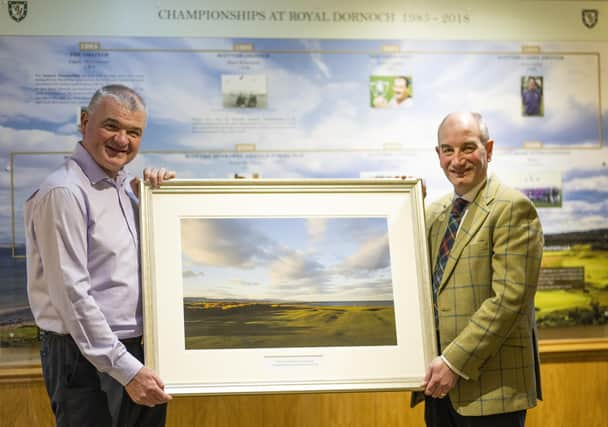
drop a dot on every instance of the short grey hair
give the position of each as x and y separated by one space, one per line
123 95
484 134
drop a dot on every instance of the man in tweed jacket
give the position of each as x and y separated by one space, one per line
487 373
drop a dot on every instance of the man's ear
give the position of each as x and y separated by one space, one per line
84 119
489 147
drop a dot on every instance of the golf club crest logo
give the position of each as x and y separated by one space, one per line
17 10
589 17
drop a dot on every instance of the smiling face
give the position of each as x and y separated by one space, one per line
400 90
462 155
112 134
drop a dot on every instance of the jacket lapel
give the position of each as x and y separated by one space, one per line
476 214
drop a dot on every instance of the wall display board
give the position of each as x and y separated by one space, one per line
325 108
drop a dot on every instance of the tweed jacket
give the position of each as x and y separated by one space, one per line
486 300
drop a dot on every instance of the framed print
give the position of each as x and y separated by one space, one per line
286 285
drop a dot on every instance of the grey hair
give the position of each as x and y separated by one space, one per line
123 95
484 134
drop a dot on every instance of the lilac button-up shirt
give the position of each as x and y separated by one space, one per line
83 262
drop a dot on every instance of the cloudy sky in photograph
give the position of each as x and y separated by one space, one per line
288 259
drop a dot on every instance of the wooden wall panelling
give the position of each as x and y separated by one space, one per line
575 393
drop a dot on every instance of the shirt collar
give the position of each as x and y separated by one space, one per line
91 169
470 195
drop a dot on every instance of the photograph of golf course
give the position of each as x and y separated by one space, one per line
579 300
287 282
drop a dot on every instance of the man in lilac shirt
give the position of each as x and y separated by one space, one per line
83 273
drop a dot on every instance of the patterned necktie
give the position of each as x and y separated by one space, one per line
444 251
448 240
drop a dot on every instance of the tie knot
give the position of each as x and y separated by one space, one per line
458 206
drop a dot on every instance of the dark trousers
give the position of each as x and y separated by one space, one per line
83 397
440 413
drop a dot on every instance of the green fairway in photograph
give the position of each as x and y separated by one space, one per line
572 307
547 302
218 325
575 306
592 259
